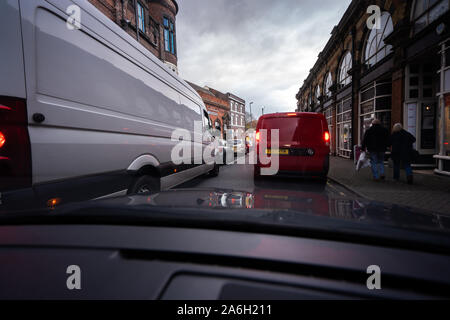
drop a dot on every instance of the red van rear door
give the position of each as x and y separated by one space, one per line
296 134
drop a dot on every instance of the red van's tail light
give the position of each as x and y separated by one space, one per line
258 136
15 150
2 139
327 137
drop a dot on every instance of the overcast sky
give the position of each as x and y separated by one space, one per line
260 50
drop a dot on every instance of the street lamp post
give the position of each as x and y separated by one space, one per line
251 116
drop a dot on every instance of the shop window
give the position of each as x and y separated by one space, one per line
383 103
414 68
414 93
344 128
422 82
345 67
378 106
368 94
414 81
384 89
427 92
328 84
376 48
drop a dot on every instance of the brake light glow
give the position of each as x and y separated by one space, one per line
327 137
5 108
258 136
2 139
15 149
292 114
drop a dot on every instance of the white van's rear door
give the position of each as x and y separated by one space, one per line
12 80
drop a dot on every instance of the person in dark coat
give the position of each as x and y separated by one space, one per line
376 141
402 151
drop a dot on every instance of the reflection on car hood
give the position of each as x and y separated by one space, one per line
318 204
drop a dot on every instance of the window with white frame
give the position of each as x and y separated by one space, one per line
376 48
318 94
345 67
328 84
344 127
375 103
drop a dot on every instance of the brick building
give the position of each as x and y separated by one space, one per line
398 72
218 107
237 106
155 28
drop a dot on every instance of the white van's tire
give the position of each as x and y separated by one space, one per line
144 185
215 172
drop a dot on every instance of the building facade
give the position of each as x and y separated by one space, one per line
218 108
155 28
237 107
395 69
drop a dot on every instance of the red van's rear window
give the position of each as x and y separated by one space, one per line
296 130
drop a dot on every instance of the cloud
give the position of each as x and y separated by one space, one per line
260 50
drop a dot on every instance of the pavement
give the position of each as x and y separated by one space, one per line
429 192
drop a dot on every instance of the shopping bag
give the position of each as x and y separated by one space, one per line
363 161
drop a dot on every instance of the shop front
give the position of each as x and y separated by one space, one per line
443 155
344 127
375 103
329 116
421 106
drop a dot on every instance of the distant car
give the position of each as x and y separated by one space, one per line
304 145
238 146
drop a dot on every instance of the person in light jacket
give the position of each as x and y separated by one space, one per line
402 152
376 141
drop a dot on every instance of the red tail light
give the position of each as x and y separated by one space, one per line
258 136
15 150
327 137
2 139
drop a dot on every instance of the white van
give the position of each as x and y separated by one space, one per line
86 113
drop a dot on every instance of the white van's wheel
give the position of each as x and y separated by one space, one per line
215 172
144 185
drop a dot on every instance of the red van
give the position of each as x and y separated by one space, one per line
304 147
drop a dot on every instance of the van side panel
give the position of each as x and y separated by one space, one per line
12 80
104 108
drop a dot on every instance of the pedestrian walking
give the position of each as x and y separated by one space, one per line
376 141
402 152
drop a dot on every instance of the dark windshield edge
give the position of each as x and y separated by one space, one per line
312 227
